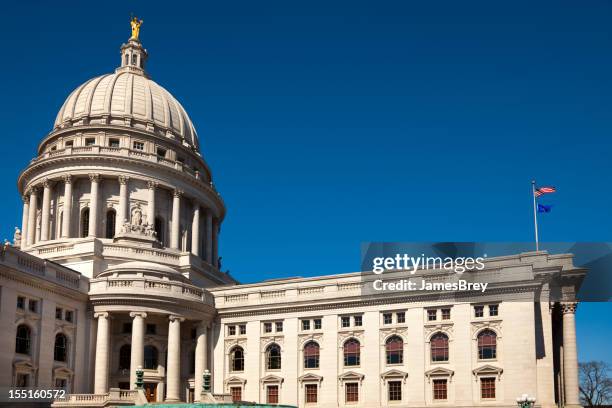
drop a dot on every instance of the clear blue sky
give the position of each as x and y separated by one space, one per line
332 123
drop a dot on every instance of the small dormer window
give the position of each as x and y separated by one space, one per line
69 143
113 142
161 152
90 141
138 146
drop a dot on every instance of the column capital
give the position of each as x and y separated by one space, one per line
67 179
104 315
26 197
569 307
94 177
173 318
152 184
138 314
178 193
46 183
123 180
32 190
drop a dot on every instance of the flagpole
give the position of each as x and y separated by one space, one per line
535 214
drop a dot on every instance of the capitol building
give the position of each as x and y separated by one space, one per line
116 267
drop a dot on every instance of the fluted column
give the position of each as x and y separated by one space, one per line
176 220
200 357
46 211
173 371
67 214
137 347
124 205
24 221
151 203
102 353
215 243
32 215
195 229
209 237
570 355
93 205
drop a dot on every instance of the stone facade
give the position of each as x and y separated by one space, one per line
117 266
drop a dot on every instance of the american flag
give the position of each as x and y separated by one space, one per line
544 190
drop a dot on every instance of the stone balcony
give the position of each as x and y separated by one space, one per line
115 397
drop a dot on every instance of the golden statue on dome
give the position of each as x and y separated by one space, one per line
135 23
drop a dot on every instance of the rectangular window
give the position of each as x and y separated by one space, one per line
151 329
242 329
138 146
113 142
21 302
127 328
446 314
68 315
231 330
311 393
161 152
58 313
69 143
352 392
267 327
395 390
387 318
279 327
345 321
439 390
478 311
487 388
90 141
358 321
236 394
318 324
305 324
401 317
493 310
33 305
272 394
432 315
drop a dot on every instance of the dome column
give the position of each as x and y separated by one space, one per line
176 219
173 372
67 214
215 243
46 211
93 205
102 353
209 237
24 221
137 347
123 203
33 208
195 229
151 203
201 357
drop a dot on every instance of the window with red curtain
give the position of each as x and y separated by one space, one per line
439 390
352 392
487 387
395 350
272 397
236 394
439 347
487 345
352 352
311 393
311 355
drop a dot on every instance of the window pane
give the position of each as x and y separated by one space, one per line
487 387
446 314
352 392
395 390
311 393
272 397
439 347
439 389
358 321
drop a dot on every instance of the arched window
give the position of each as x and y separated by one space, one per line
352 352
273 357
127 59
111 219
237 359
125 357
439 347
85 223
311 355
134 59
23 339
150 357
394 348
487 345
159 229
61 348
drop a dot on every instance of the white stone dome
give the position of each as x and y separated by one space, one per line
130 99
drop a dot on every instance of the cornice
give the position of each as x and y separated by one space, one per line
36 282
